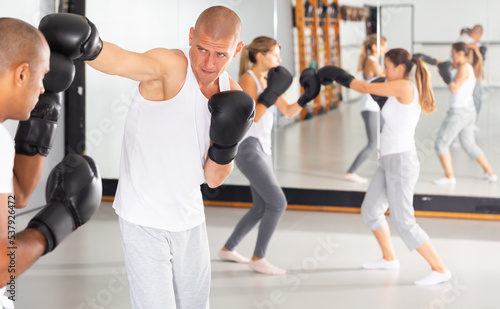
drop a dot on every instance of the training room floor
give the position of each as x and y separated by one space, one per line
322 251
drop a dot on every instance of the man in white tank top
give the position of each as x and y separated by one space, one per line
175 139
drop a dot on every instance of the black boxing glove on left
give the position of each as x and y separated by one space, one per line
73 194
330 73
232 115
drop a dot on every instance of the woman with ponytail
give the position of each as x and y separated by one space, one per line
263 78
370 111
394 181
461 116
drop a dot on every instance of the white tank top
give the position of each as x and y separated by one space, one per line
400 121
463 97
7 154
163 155
367 102
262 129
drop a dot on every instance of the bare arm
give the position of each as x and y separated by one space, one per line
27 173
462 75
29 244
287 109
152 65
401 89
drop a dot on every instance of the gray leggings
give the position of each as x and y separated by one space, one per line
477 96
269 201
392 187
370 118
459 122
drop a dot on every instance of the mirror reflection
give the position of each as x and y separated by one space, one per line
315 149
316 153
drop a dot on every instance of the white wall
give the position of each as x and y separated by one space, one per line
134 25
31 11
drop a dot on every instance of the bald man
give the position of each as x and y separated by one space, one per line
30 95
24 60
182 129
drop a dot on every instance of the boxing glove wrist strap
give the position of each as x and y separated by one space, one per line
268 98
222 154
54 222
35 136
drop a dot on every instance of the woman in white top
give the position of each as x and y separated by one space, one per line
394 181
461 116
260 71
370 111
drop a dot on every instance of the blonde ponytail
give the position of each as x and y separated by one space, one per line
244 61
424 87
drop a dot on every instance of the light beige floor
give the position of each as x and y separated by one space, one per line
322 252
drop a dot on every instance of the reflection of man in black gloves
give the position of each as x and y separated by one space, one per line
74 189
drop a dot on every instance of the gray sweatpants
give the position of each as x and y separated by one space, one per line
166 269
459 122
370 119
392 188
269 201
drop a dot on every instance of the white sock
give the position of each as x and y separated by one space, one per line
5 302
434 278
233 256
382 264
264 267
355 178
445 181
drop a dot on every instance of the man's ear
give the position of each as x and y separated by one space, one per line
191 35
239 48
21 74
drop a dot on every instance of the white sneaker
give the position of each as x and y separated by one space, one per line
434 278
382 264
355 178
492 178
445 181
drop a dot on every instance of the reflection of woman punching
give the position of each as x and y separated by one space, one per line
394 181
266 82
461 116
370 111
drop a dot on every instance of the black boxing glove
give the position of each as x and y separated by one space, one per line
71 35
482 50
446 71
379 99
330 73
37 134
73 194
61 74
278 81
425 58
232 115
310 81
